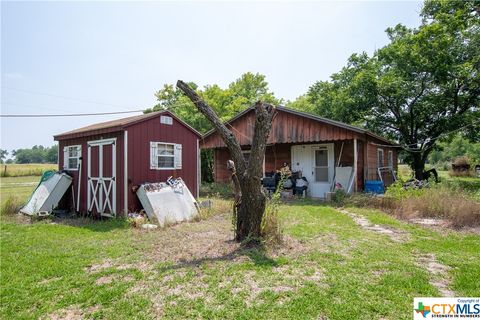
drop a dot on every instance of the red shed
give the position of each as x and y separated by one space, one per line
109 159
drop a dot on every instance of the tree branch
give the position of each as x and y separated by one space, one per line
227 136
263 123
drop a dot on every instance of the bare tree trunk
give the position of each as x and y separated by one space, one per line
418 166
252 204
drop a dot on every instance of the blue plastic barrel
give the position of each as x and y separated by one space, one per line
374 186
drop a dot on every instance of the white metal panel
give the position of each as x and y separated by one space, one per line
48 194
168 204
344 176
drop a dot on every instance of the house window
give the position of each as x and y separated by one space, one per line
390 158
380 158
166 120
71 156
165 155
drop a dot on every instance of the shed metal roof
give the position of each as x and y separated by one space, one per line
117 125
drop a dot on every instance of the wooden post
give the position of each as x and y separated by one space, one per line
355 162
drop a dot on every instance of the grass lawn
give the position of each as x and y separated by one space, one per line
329 268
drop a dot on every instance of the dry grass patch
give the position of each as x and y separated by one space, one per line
456 207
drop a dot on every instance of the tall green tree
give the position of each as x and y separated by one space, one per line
37 154
423 84
3 155
226 102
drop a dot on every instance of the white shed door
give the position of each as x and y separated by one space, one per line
101 191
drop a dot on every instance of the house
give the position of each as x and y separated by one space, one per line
109 160
312 145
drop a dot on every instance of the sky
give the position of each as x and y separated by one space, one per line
81 57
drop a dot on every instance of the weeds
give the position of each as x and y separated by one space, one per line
10 206
218 206
271 227
459 207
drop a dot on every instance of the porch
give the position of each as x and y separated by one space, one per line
350 162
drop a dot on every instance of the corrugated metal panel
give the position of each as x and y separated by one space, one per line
48 194
286 128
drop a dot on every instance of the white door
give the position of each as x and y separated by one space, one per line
316 162
322 170
101 194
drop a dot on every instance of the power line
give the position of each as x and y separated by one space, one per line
65 115
65 97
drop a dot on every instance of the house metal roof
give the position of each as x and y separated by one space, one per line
313 117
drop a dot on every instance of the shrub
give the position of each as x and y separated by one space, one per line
338 197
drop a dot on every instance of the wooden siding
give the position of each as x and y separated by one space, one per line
371 165
275 156
84 182
139 137
286 128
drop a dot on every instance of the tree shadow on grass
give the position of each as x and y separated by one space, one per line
257 254
96 225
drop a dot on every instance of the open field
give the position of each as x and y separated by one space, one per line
18 187
20 170
335 264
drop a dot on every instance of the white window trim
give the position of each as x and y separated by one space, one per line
172 156
390 158
66 160
166 120
380 165
322 167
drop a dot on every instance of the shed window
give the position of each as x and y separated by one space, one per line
71 156
390 158
380 158
166 120
165 155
